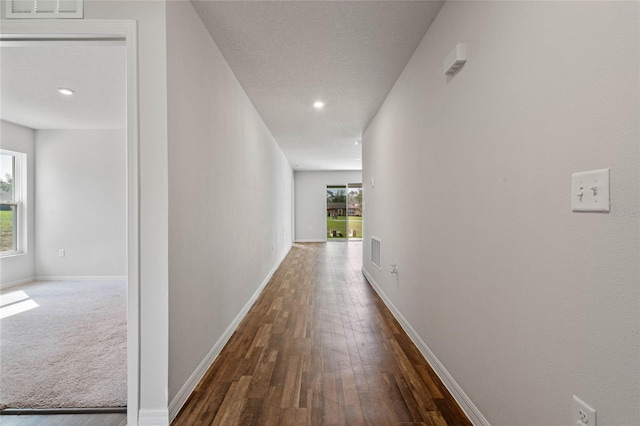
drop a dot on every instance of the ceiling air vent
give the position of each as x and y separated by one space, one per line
49 9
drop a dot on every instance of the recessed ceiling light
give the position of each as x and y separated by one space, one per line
357 142
65 91
357 159
318 104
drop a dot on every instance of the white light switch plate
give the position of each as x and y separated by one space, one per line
590 191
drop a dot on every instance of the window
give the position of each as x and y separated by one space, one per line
12 165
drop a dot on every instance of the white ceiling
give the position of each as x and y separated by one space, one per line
30 74
287 54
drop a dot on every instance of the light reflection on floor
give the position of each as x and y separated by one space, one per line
15 302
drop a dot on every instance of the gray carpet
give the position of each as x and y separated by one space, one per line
69 351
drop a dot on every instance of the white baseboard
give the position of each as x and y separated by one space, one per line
79 278
61 278
311 241
153 417
183 394
456 391
16 283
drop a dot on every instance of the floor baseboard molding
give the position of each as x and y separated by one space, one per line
311 241
17 283
153 417
456 391
5 286
79 278
183 394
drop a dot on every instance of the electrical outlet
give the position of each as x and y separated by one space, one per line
61 253
583 415
395 273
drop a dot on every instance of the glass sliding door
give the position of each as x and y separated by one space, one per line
336 212
344 212
354 211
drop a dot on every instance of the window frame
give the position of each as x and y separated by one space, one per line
19 202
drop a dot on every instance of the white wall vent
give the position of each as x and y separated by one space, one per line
49 9
375 252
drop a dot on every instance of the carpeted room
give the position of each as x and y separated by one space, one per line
63 267
63 344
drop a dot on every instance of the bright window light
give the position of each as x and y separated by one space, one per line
12 194
13 297
17 308
14 303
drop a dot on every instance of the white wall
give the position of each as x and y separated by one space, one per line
81 203
311 201
154 197
20 268
230 198
524 302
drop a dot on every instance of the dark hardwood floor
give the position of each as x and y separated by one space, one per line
319 347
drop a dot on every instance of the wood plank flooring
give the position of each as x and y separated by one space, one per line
319 347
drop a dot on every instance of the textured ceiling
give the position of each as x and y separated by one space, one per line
288 54
30 75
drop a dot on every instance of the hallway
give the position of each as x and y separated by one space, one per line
320 347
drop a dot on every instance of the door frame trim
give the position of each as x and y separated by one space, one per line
128 31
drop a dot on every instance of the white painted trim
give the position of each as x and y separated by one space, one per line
21 203
86 28
14 253
61 278
154 417
293 205
16 283
311 241
79 278
456 391
183 394
133 227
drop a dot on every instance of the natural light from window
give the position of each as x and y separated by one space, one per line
14 303
11 164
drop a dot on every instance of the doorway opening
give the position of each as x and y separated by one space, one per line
71 207
344 212
90 33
